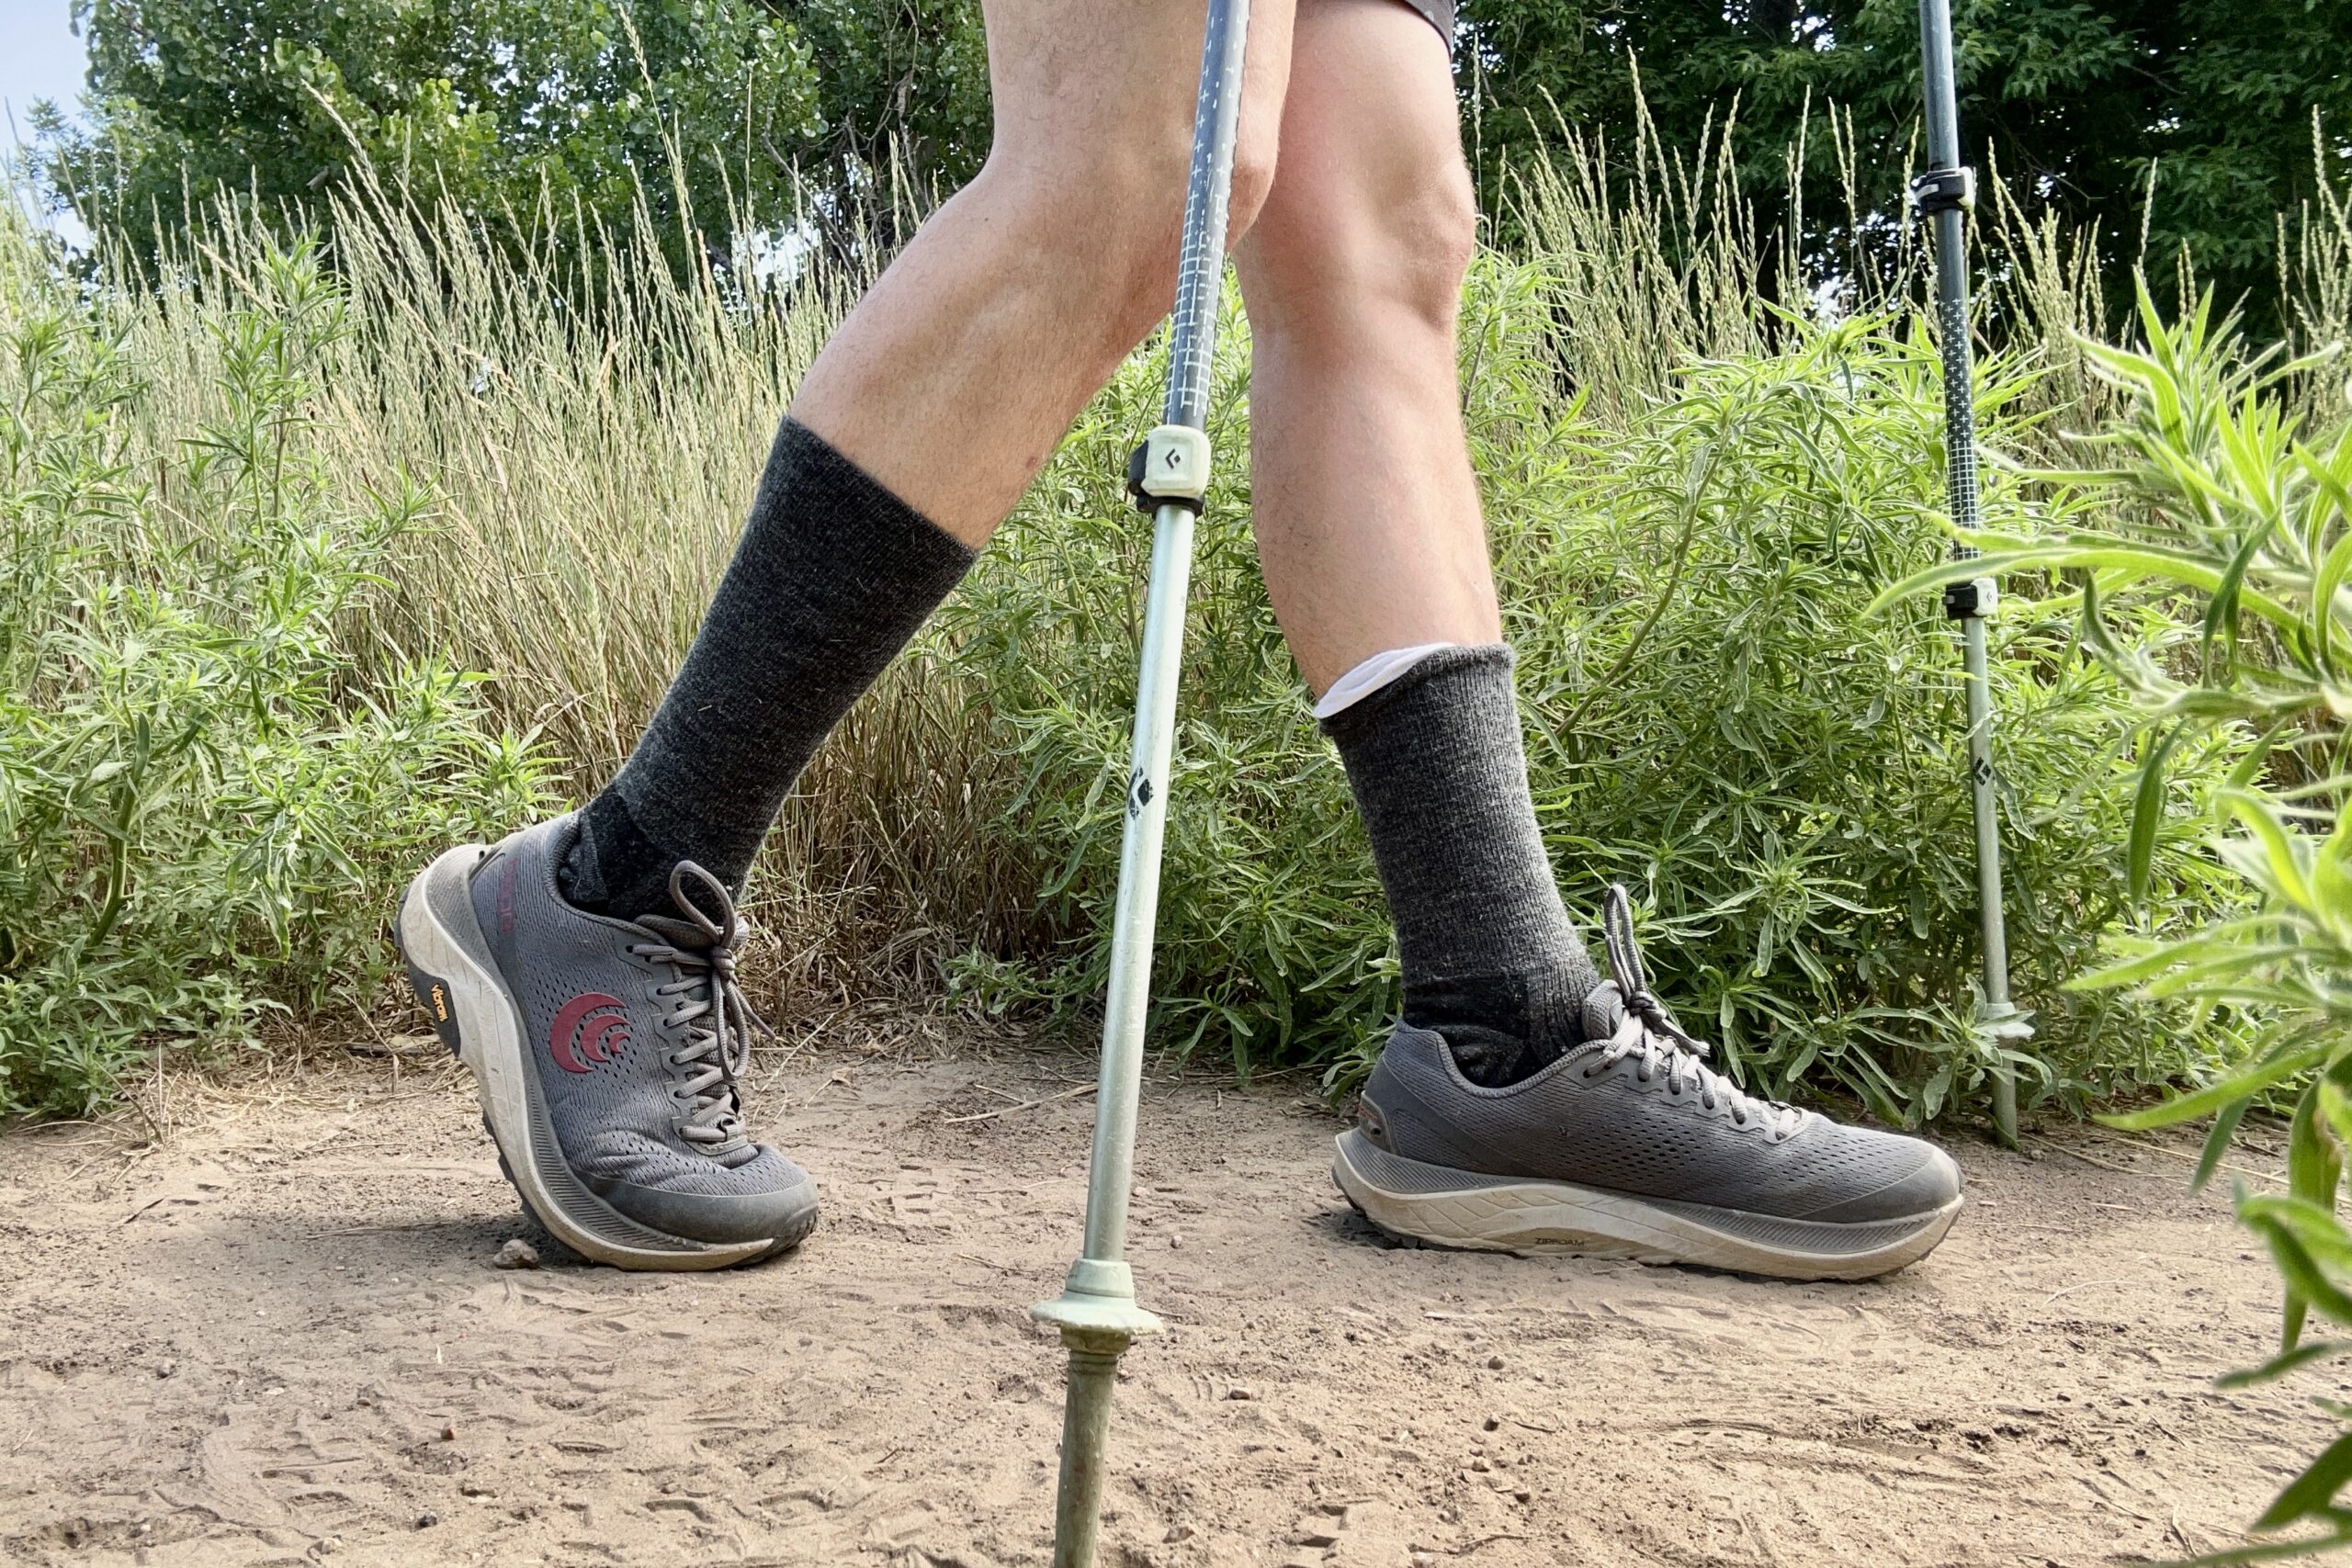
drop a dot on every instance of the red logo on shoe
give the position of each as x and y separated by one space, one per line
590 1027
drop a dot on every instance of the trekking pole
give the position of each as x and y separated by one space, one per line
1946 193
1168 475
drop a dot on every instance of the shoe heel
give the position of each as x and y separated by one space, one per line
431 992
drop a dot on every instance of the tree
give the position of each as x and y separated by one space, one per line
779 107
2072 101
714 113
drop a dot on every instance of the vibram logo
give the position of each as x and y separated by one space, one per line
440 1003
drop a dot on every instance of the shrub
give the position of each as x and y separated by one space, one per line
1684 554
1712 719
204 810
2212 494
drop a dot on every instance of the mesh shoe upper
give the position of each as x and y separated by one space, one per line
1635 1110
633 1029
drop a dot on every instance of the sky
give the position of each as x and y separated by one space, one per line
40 57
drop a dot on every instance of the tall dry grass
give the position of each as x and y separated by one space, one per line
588 448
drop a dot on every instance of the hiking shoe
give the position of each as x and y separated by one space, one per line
1629 1146
606 1053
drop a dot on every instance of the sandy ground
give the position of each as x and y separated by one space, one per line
275 1335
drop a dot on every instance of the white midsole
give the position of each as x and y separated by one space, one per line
489 1045
1559 1217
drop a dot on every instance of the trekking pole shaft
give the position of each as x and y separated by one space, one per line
1200 268
1951 221
1097 1311
1110 1168
1199 284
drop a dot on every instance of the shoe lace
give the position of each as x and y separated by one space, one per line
1648 1033
707 1001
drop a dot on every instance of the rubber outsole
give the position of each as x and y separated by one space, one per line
456 981
1432 1205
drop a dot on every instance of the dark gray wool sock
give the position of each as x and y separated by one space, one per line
1491 960
833 574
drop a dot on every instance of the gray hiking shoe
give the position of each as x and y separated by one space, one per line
1628 1147
606 1054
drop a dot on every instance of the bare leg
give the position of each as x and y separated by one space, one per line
957 374
1367 509
1367 523
920 424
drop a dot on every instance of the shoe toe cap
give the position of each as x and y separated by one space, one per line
782 1209
1919 1179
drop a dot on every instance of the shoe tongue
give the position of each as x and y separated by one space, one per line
1604 1009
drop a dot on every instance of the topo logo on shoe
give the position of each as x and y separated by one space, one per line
587 1033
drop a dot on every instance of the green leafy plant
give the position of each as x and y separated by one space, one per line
1693 494
1712 718
203 807
2214 497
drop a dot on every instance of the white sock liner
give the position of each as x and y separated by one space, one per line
1371 674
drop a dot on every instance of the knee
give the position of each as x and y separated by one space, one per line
1253 176
1324 252
1105 213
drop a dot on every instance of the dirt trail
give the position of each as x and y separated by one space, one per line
275 1337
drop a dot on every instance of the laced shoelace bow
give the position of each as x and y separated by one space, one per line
1649 1033
719 1022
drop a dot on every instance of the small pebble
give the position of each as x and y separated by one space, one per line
516 1254
1178 1533
449 1433
426 1521
1239 1394
1492 1424
1494 1364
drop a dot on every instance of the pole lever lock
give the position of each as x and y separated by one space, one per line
1972 600
1945 190
1171 467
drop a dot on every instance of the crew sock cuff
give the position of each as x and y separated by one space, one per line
833 574
1489 956
1381 670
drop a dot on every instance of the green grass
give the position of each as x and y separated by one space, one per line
263 517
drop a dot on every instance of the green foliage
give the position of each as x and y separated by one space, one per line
1684 555
203 808
903 86
2075 103
712 110
2212 494
1712 719
705 111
